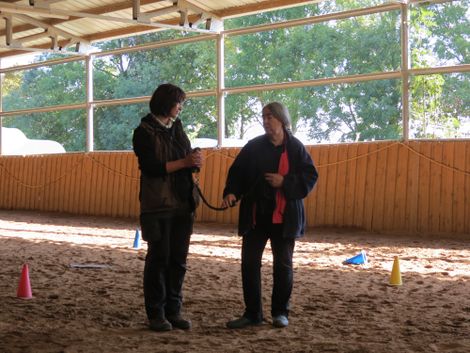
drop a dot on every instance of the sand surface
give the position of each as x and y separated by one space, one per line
86 281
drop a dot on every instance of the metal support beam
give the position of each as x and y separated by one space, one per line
89 104
315 19
220 96
405 67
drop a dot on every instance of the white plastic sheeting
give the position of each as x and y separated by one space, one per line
15 143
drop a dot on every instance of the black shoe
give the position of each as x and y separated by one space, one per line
160 324
280 321
178 322
242 323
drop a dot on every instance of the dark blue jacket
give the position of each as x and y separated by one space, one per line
246 181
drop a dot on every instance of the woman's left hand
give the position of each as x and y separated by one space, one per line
274 179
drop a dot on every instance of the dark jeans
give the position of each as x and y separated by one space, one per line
252 252
165 263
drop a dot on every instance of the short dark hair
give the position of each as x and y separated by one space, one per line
165 97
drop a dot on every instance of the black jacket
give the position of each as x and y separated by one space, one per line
154 145
246 181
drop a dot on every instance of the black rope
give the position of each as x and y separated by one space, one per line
250 191
206 202
196 184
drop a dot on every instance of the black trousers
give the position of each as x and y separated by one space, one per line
165 263
253 246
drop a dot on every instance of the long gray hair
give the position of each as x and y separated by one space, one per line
280 112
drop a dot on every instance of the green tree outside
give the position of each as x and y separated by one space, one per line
363 111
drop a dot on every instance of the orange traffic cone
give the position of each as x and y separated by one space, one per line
395 278
24 287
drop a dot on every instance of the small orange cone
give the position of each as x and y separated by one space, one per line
24 287
395 278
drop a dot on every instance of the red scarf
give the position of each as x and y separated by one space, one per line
283 169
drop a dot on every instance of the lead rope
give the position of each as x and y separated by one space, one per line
196 184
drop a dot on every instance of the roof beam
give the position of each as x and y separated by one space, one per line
48 31
96 11
44 12
263 6
44 4
182 6
267 5
193 20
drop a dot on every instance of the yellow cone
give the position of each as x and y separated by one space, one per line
395 278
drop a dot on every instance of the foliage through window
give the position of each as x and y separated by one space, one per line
330 112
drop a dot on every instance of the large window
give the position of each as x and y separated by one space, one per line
340 75
114 125
440 106
299 12
440 34
44 86
359 45
138 73
334 113
45 132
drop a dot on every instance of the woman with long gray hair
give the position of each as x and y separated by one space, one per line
271 176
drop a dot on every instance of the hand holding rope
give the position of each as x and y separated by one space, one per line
196 170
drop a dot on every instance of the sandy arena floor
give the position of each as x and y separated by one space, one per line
335 307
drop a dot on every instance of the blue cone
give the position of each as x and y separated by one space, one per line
137 239
359 259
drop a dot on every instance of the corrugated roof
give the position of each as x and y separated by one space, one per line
41 25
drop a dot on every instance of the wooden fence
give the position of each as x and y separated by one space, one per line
414 187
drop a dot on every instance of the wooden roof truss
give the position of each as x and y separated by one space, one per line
38 20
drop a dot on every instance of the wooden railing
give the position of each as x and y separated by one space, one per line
414 187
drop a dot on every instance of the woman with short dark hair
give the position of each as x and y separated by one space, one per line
167 205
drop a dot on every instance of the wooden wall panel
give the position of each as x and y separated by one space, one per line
467 190
340 185
321 187
379 190
447 182
424 188
458 201
371 178
360 186
417 187
411 188
435 187
390 183
332 174
401 184
350 185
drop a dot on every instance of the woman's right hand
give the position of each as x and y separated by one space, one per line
194 159
229 200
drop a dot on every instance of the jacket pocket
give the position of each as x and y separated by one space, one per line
151 229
